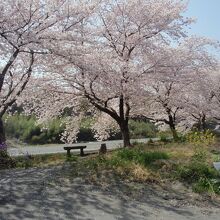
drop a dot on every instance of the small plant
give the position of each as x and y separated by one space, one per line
199 138
201 141
139 173
3 146
211 186
28 161
150 142
202 177
6 161
73 158
163 138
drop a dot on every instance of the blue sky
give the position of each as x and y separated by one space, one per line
207 13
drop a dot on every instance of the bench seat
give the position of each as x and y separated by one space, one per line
69 148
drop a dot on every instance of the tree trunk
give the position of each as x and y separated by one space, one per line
125 134
174 132
2 132
171 123
203 123
173 129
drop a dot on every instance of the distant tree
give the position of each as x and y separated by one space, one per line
180 95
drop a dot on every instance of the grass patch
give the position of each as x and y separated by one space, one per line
125 164
142 157
100 167
201 176
28 161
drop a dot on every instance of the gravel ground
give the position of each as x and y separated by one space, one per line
44 193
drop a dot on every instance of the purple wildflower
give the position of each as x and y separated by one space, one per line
3 146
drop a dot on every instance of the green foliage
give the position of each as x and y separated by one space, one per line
202 177
85 134
6 161
216 158
140 129
199 138
196 170
207 185
124 158
73 158
141 157
27 161
102 161
201 141
26 130
164 136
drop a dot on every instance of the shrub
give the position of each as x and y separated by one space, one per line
199 138
85 134
6 161
164 136
25 129
203 177
207 185
141 129
195 170
200 141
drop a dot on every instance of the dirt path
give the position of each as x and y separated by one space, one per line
45 195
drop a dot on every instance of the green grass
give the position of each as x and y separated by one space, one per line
28 161
140 156
200 175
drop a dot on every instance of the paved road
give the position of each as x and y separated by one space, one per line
52 149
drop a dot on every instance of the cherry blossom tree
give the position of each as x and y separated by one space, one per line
213 93
199 106
29 30
131 58
180 93
112 62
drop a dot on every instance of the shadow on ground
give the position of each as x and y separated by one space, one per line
37 194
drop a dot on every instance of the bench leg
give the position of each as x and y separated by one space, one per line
68 153
81 152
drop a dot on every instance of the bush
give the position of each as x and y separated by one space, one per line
141 129
199 138
26 130
194 171
6 161
203 177
207 185
165 136
201 141
85 134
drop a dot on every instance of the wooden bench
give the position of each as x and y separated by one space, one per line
69 148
